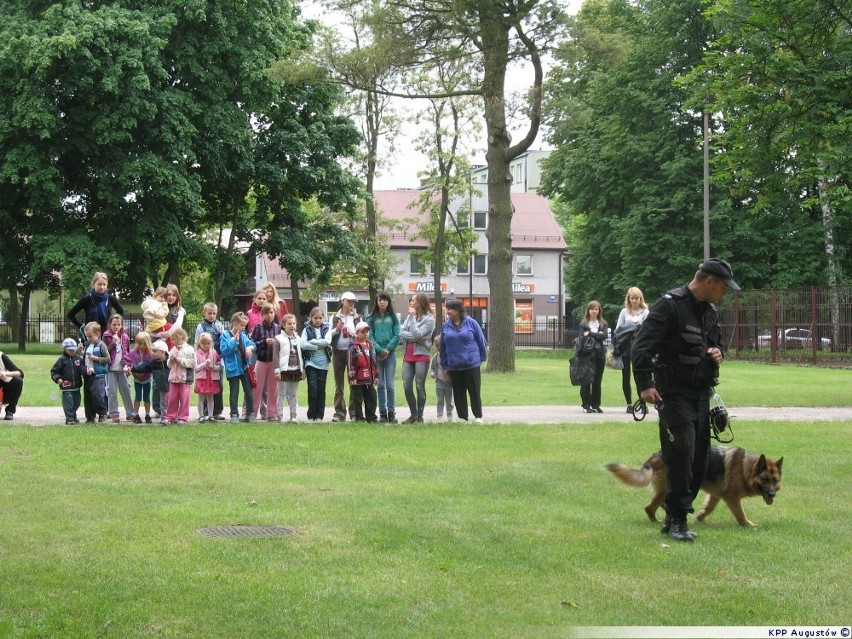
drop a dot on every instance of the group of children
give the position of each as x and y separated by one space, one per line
261 353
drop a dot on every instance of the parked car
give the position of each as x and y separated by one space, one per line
790 338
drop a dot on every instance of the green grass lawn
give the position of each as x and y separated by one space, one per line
541 378
435 531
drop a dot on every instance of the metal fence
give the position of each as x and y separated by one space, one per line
812 326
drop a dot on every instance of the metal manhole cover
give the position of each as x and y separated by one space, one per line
247 531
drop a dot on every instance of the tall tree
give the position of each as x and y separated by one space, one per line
491 36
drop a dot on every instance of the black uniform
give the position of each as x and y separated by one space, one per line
670 353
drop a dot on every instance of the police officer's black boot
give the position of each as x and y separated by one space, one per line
667 524
679 531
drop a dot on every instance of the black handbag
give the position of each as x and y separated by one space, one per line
582 370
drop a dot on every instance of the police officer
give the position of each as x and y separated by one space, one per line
676 359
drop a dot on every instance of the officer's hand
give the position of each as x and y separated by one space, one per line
715 354
651 396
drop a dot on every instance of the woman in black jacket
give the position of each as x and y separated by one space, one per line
96 305
594 327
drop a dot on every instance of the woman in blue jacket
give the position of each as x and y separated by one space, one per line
462 351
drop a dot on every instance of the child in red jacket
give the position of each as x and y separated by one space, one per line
363 374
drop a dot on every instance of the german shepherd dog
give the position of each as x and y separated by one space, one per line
732 474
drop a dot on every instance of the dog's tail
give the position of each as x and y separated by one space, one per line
637 477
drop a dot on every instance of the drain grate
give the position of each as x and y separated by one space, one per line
248 531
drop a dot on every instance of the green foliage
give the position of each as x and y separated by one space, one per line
627 161
779 74
628 132
131 134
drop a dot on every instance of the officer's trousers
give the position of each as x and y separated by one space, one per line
685 444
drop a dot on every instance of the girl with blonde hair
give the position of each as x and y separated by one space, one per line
630 320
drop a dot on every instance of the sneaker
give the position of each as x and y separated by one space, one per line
596 409
181 422
245 419
219 418
147 419
450 417
272 419
115 419
392 418
235 419
630 409
293 420
137 419
336 419
203 420
102 418
70 422
478 421
9 416
165 422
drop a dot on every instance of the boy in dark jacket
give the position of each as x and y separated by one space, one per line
68 372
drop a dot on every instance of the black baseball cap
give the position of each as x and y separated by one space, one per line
721 269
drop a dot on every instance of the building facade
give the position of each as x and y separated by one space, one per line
537 242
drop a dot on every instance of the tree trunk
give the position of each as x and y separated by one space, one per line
296 308
15 315
831 260
501 334
25 313
437 261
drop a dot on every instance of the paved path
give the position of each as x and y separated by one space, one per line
42 416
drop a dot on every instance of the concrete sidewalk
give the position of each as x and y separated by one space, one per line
43 416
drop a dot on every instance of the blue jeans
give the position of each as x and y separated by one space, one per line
387 391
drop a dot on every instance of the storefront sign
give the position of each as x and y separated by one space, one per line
426 287
517 287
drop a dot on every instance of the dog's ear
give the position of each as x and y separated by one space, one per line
779 462
761 465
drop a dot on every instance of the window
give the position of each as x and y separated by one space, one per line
480 220
523 265
418 267
463 267
480 265
463 217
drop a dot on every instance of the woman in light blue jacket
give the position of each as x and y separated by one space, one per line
462 352
416 337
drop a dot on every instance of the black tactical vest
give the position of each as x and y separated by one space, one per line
684 361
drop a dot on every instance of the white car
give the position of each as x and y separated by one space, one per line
791 338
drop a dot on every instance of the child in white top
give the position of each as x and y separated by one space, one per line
289 366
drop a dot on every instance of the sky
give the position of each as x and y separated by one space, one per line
401 167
